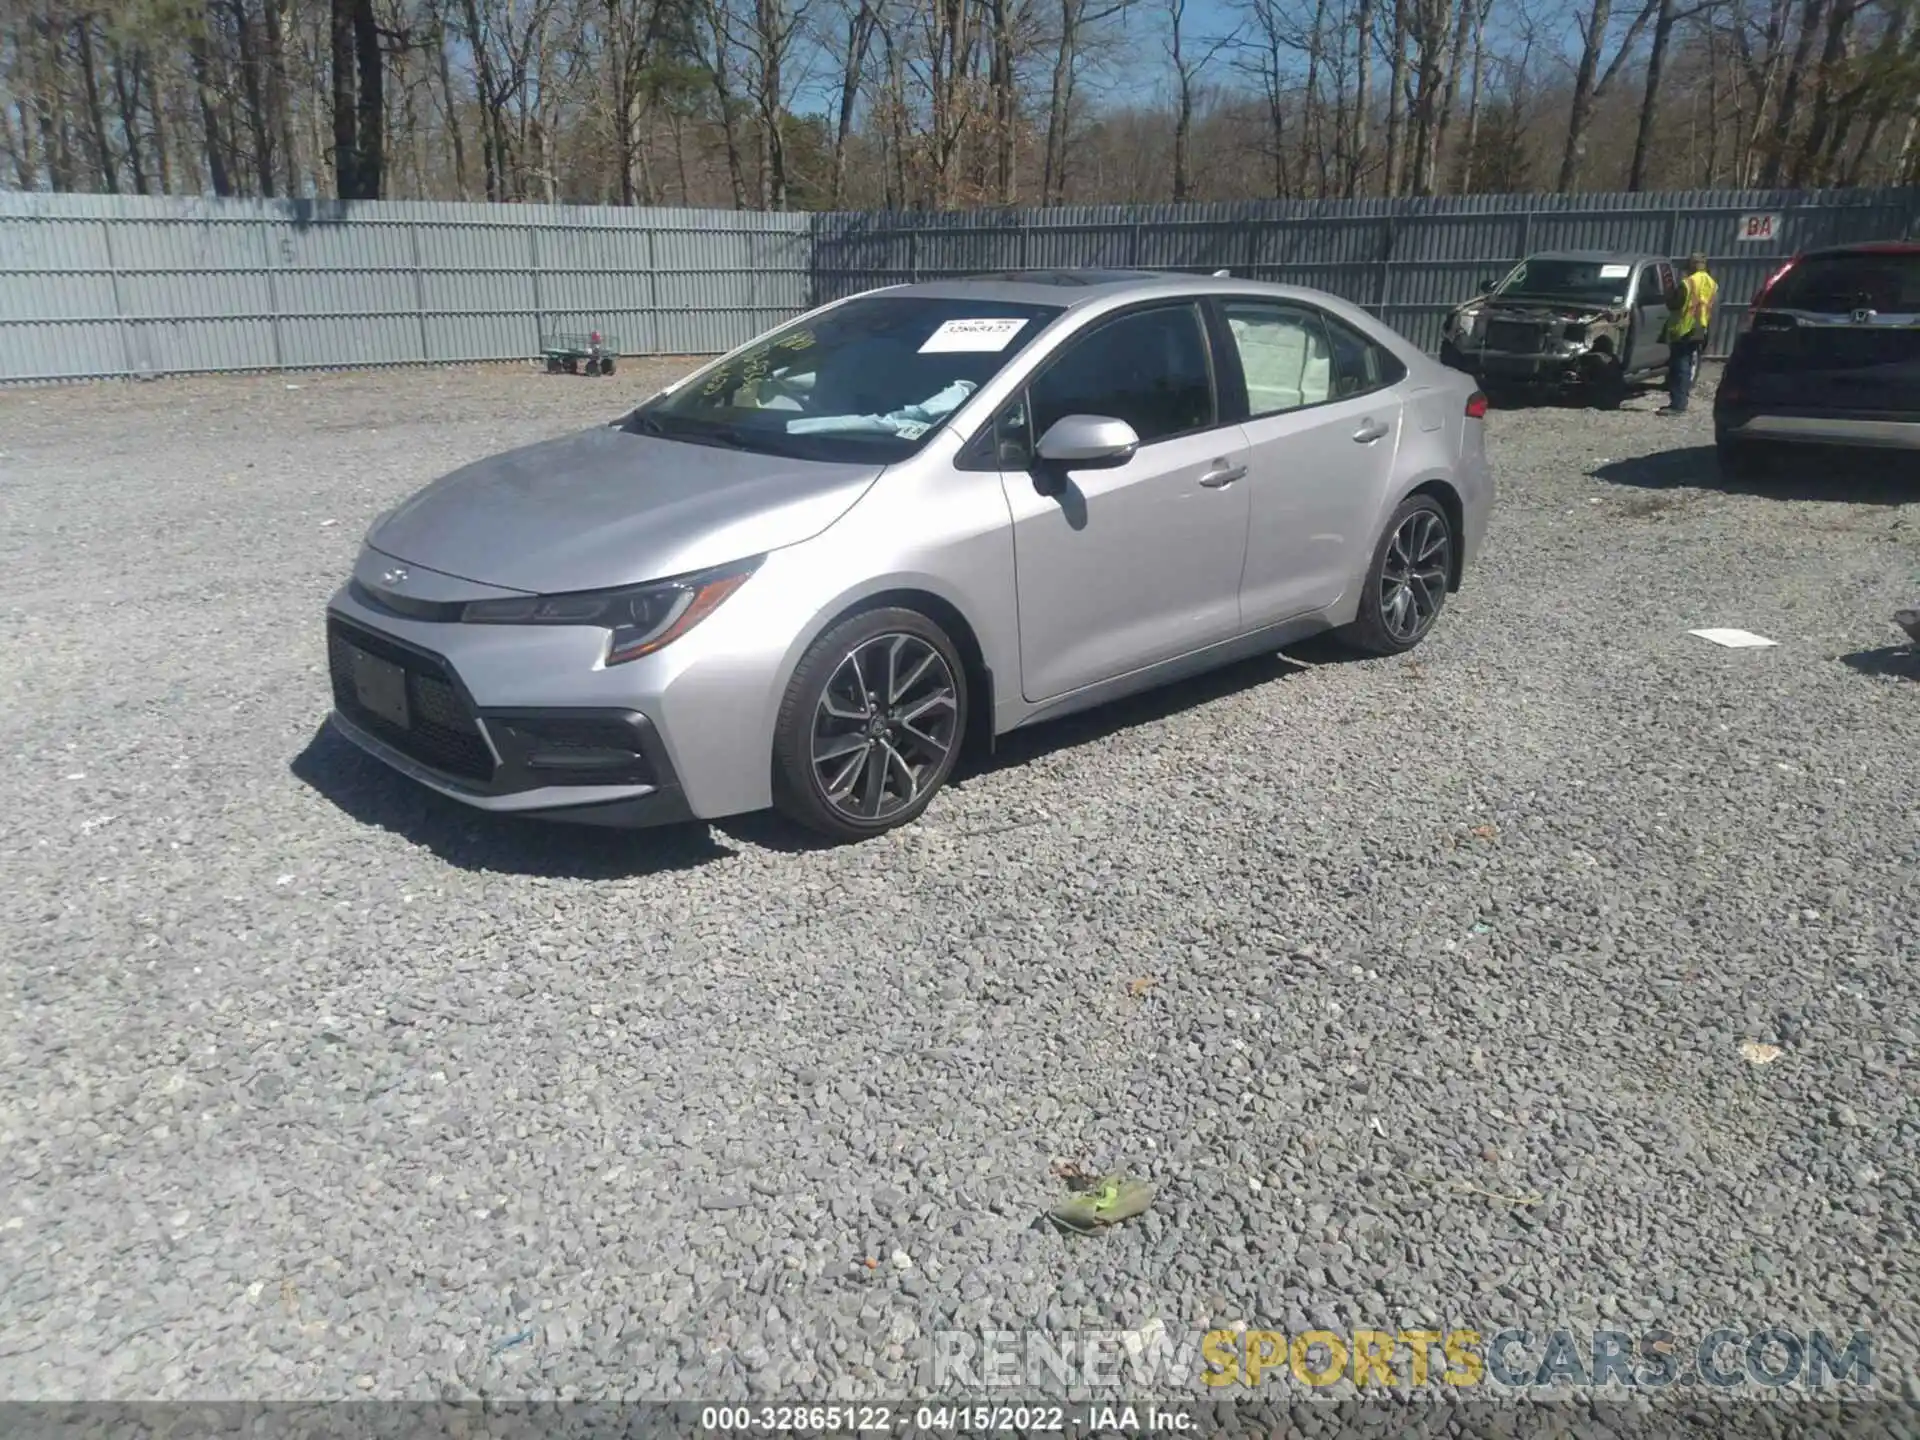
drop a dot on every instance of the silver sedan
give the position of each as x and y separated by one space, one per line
813 572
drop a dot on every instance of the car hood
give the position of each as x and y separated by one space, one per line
608 507
1548 310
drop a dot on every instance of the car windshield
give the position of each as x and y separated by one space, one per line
1887 281
1574 282
867 380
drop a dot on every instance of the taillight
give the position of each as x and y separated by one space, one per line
1476 406
1760 300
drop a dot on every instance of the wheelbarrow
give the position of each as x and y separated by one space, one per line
591 353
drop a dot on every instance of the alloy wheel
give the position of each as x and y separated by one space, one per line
887 721
1413 576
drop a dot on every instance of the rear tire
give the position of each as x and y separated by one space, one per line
1742 460
871 725
1406 585
606 365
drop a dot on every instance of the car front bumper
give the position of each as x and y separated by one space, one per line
407 706
1558 368
508 718
619 806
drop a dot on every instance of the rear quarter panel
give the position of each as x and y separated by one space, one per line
1440 443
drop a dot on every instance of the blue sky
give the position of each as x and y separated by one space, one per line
1146 67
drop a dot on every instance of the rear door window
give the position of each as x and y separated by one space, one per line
1359 365
1283 355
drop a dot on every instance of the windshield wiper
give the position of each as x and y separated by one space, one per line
726 437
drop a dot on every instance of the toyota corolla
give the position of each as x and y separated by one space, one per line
812 573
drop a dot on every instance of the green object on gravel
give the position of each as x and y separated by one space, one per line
1114 1199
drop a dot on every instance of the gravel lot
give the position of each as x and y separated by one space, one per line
316 1086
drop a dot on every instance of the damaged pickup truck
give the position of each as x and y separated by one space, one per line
1585 322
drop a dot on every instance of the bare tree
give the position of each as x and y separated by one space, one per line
1439 43
1668 14
947 102
858 24
1273 38
1190 61
1591 82
1076 18
1396 95
768 43
1480 10
720 44
359 105
1009 27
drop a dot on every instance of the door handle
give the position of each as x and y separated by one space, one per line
1369 432
1222 475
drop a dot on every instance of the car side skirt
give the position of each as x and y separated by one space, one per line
1015 714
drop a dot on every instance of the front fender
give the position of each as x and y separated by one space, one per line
928 530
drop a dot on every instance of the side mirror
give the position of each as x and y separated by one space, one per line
1088 442
1486 286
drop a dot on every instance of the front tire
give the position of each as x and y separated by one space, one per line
1607 385
1406 585
871 725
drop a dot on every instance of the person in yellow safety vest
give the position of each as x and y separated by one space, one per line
1687 324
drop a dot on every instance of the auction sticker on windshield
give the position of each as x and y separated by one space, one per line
1615 272
972 335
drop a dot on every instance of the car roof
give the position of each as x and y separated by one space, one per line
1632 256
1866 247
1070 289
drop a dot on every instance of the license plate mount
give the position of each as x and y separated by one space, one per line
381 686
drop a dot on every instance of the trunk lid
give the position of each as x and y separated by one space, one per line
1837 332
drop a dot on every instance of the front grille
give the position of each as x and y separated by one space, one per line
1516 337
441 734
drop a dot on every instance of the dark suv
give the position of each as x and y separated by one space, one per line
1831 357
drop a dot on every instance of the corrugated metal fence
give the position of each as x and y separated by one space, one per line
101 285
94 286
1407 261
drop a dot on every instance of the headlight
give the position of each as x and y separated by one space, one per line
640 618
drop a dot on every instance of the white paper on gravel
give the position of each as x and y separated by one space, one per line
1734 639
975 336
